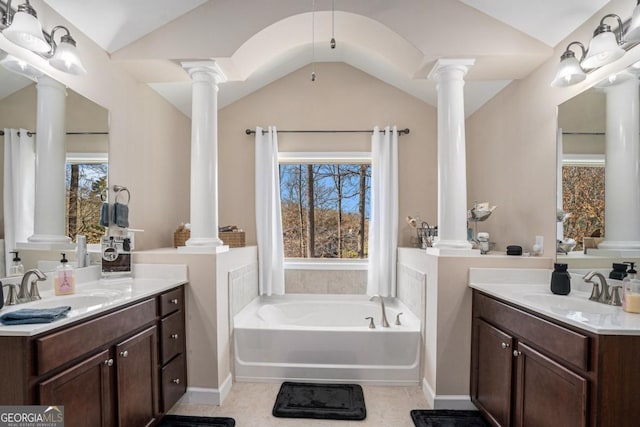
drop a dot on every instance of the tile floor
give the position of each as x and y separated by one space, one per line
250 405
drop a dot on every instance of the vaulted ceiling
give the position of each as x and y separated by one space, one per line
257 41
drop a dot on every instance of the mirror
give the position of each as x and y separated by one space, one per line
582 162
86 146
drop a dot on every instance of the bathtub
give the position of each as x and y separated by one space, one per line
325 338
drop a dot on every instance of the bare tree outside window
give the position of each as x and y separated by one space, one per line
583 196
85 183
325 209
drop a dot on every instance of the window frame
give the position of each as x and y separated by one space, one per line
334 157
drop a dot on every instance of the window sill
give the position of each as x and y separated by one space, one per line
325 264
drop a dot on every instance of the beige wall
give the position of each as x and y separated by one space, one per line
342 97
511 146
149 139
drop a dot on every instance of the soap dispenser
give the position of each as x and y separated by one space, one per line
64 281
631 290
16 268
560 280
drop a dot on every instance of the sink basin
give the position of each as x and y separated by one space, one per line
566 304
74 301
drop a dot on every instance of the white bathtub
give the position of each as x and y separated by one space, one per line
326 338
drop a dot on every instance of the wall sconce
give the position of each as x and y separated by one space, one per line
605 46
23 28
569 71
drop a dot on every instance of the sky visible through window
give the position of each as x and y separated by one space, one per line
337 226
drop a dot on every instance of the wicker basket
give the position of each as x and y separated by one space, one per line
235 239
180 238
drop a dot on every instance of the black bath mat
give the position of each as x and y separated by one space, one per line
184 421
447 418
320 401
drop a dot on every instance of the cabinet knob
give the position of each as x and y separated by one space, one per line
124 353
174 301
174 336
504 345
108 362
516 353
176 380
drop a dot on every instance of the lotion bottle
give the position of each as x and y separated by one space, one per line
64 281
560 280
631 291
16 268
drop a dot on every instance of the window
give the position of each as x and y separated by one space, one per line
325 203
86 180
583 196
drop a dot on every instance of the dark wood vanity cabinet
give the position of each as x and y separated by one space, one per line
528 370
105 370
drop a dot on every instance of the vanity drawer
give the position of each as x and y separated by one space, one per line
172 336
172 301
555 340
174 382
61 347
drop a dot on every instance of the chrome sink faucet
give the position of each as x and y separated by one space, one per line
603 296
32 294
385 323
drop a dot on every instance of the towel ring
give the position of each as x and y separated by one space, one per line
119 189
104 195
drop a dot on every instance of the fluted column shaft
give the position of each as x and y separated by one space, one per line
452 166
622 167
50 193
204 155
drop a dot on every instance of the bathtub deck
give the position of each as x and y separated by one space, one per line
250 404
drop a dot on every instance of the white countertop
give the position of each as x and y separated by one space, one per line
99 295
530 289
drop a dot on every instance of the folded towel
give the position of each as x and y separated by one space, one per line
34 315
121 215
104 214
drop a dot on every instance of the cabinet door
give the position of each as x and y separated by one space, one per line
85 392
547 394
492 363
137 382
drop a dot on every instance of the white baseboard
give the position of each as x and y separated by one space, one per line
446 401
208 396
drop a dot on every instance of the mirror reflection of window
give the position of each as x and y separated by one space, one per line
583 196
86 181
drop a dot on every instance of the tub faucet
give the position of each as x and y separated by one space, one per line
385 324
32 294
597 294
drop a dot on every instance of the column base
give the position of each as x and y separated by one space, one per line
453 244
47 242
619 245
204 245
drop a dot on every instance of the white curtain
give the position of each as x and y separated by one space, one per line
19 188
383 222
268 215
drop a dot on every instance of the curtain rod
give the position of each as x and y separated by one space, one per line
29 133
400 131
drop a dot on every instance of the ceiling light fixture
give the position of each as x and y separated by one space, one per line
333 24
605 46
23 28
313 39
65 54
569 71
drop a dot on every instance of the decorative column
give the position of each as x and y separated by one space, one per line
622 167
452 167
50 194
204 157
